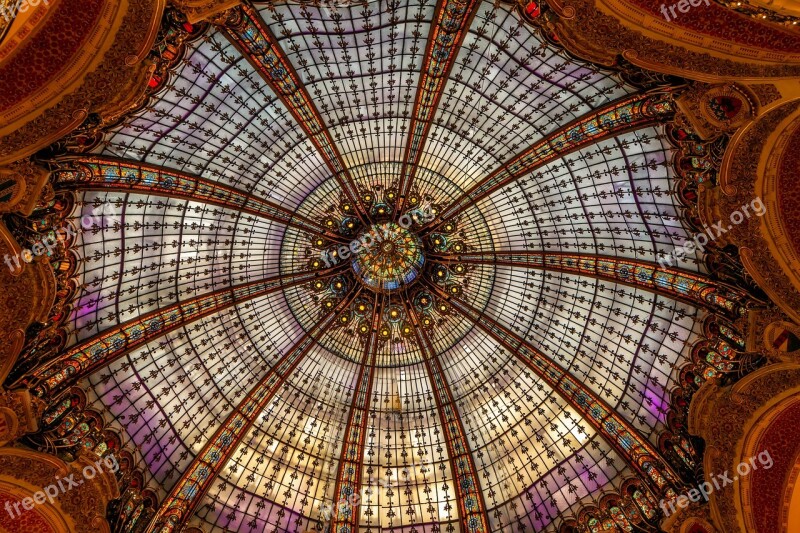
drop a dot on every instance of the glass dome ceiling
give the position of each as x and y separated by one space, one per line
464 399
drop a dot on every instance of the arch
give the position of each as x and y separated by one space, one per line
24 473
732 421
771 436
99 47
756 166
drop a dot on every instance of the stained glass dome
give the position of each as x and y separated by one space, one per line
497 365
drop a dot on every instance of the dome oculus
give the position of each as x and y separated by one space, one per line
392 257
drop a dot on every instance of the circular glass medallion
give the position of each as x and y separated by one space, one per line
390 257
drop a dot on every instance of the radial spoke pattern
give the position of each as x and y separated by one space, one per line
348 479
199 475
255 40
451 21
637 451
472 507
385 267
100 351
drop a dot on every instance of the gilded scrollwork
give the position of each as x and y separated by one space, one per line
198 10
23 184
110 88
19 414
738 187
766 93
719 415
590 33
84 510
718 109
27 297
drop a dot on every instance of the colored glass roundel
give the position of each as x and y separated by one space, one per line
390 258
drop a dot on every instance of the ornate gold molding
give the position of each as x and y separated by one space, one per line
724 416
602 30
30 180
21 24
741 181
772 331
686 520
24 472
105 17
107 74
754 430
767 186
197 10
782 7
19 414
702 108
28 293
632 16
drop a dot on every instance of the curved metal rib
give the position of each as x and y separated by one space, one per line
471 504
251 35
351 462
637 451
451 22
179 505
82 360
689 287
629 113
108 173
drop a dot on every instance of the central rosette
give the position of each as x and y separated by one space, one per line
390 257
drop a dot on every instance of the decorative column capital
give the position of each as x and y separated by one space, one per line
19 414
23 185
